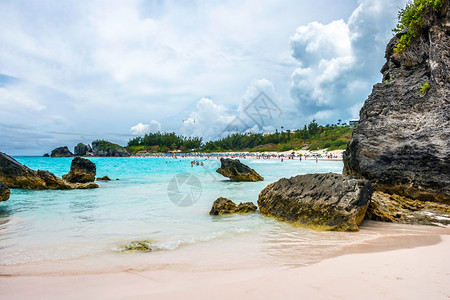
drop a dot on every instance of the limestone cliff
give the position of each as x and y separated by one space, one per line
402 141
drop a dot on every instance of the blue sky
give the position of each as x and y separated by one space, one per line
75 71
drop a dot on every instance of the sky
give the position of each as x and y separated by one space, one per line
76 71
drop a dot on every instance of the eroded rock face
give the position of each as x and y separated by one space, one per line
237 171
402 142
82 149
320 201
397 209
4 192
15 175
61 152
81 171
104 148
224 206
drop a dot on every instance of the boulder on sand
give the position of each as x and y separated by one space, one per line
81 171
237 171
319 201
225 206
4 192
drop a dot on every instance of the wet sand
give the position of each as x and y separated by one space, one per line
407 266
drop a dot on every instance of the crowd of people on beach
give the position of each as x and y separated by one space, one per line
242 155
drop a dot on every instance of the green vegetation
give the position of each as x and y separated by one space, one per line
153 142
313 136
105 145
410 20
424 89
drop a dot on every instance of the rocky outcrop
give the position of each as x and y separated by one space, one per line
237 171
397 209
104 178
320 201
61 152
104 148
82 149
225 206
81 171
46 155
402 142
15 175
143 246
4 192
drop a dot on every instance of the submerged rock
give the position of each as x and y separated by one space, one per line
15 175
402 141
82 149
61 152
4 192
397 209
144 246
225 206
104 148
81 171
237 171
320 201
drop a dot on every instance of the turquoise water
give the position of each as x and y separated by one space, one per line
83 230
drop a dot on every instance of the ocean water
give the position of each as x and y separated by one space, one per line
166 201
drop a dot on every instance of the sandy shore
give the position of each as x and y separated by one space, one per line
420 270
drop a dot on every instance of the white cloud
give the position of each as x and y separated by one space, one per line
141 129
339 61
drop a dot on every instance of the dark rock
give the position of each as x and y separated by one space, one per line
320 201
15 175
144 246
104 148
225 206
46 155
237 171
104 178
82 149
246 207
397 209
402 141
4 192
61 152
81 171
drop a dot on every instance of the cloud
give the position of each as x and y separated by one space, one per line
141 129
339 61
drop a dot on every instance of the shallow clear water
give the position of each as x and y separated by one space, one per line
79 231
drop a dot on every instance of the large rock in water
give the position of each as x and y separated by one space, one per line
61 152
224 206
81 170
237 171
82 149
104 148
4 192
402 141
15 175
320 201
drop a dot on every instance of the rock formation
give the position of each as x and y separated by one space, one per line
320 201
61 152
402 142
4 192
237 171
82 149
104 148
81 170
397 209
15 175
104 178
225 206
